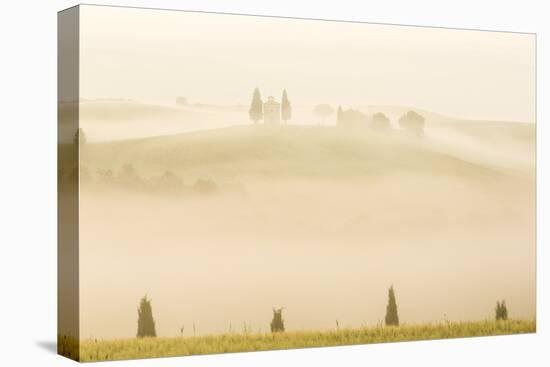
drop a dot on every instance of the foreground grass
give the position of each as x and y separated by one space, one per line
96 350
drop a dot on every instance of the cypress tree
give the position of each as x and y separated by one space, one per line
501 312
504 312
146 324
392 319
79 138
277 324
286 109
256 107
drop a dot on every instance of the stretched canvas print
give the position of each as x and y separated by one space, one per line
233 183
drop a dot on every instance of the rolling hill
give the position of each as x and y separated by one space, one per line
282 151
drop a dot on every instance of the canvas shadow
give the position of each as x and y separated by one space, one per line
48 345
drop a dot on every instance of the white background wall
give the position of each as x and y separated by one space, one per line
28 182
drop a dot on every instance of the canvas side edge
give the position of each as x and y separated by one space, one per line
68 317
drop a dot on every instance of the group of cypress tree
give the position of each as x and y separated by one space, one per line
257 107
146 323
392 318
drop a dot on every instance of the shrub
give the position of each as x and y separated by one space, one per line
277 324
501 312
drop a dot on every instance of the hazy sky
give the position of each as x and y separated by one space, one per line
155 55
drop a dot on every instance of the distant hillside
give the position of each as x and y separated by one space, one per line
105 120
122 119
122 110
283 151
127 110
475 128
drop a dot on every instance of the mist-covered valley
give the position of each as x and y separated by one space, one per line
311 217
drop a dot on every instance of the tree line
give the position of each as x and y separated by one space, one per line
127 177
411 122
146 322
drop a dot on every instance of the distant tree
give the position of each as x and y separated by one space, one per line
128 177
79 137
380 121
392 319
352 119
170 181
128 172
339 115
256 107
412 122
501 311
323 111
205 186
277 324
286 109
146 323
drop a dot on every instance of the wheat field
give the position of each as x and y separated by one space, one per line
97 350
